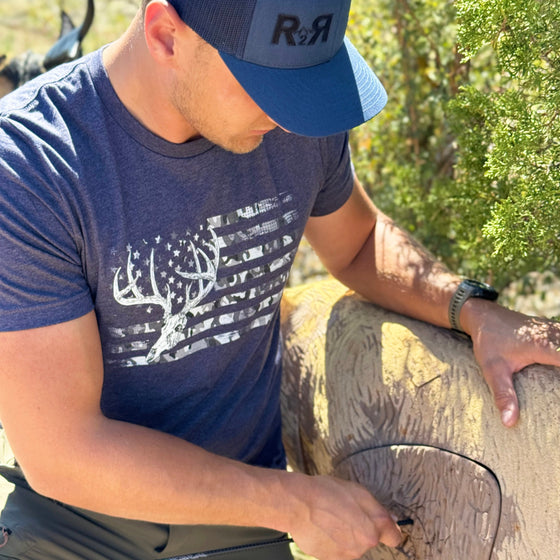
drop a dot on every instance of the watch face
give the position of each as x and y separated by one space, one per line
481 290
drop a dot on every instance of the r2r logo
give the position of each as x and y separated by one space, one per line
295 34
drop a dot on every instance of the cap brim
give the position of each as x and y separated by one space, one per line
316 101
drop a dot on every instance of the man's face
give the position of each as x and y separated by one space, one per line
213 102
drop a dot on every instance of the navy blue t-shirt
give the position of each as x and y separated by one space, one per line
182 250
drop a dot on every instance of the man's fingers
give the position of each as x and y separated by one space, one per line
390 533
343 520
386 529
509 413
500 380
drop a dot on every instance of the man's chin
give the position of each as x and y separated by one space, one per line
245 146
241 144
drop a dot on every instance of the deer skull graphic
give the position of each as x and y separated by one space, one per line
200 282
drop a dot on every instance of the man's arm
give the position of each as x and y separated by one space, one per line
365 250
368 252
51 380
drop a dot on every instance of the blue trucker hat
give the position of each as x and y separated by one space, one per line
292 58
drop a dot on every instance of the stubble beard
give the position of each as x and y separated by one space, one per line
201 120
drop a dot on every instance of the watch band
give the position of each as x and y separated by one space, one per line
466 290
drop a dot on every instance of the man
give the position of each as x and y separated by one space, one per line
152 196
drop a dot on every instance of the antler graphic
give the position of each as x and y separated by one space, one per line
202 280
131 294
201 275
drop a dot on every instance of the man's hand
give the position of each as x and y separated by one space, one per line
337 519
505 342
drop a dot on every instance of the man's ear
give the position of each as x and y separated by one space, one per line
162 25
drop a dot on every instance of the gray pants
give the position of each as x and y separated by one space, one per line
33 527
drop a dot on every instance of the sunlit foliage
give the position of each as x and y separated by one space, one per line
466 154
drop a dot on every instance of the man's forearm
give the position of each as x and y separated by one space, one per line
129 471
133 472
395 271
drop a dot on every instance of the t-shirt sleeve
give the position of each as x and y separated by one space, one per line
41 274
339 175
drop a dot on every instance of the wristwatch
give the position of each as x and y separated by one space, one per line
465 290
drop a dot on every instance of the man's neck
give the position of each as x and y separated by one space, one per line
142 85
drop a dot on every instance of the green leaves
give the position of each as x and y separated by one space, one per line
467 153
517 127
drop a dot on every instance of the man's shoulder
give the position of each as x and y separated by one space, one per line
281 141
281 136
41 96
297 152
39 117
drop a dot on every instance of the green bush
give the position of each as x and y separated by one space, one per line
406 155
508 133
465 155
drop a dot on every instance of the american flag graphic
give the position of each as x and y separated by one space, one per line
206 286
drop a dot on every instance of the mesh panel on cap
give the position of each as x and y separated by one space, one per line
222 23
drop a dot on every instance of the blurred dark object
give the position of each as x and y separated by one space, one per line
28 65
69 44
